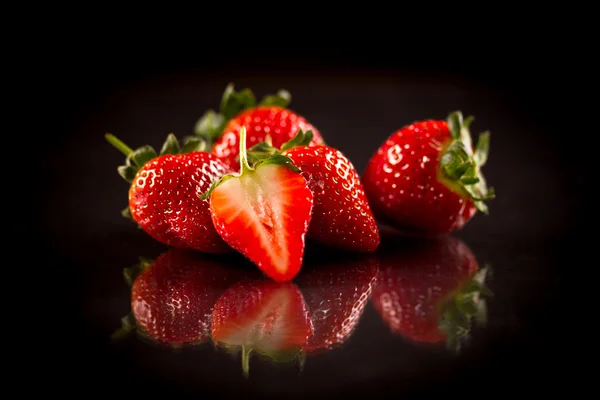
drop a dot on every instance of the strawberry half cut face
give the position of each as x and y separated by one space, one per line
265 317
263 212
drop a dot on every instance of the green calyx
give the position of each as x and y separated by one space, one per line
210 126
459 310
461 165
263 150
286 356
135 159
275 158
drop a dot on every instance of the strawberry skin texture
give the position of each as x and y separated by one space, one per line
403 186
337 294
414 281
279 123
341 217
264 215
262 315
163 200
172 299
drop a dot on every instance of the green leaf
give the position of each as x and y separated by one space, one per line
468 121
282 99
232 102
127 172
143 154
260 151
301 139
278 159
469 180
193 144
126 213
170 146
482 149
210 125
128 325
455 124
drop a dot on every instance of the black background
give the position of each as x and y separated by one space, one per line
357 93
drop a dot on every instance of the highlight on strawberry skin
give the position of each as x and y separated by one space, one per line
431 290
263 211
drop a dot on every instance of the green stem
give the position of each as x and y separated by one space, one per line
122 147
243 153
246 352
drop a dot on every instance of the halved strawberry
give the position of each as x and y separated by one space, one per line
270 318
264 212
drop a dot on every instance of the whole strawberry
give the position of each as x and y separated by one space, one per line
268 119
341 215
163 196
263 212
265 317
337 290
427 179
430 290
172 297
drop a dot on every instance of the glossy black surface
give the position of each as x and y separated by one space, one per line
88 244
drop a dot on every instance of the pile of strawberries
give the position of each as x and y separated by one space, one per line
259 179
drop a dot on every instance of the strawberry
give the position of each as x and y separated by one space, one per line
341 216
263 212
337 291
427 179
172 297
163 195
430 290
270 118
270 318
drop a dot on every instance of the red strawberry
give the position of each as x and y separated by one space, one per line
263 212
430 290
270 118
172 297
341 215
427 179
268 317
337 291
163 196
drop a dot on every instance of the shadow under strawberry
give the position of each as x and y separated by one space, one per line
172 296
430 290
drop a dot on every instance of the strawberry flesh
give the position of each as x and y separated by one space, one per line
264 213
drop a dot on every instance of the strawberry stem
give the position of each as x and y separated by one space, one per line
122 147
243 153
246 352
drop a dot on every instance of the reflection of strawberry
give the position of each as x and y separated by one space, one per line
264 212
163 196
337 291
427 177
271 118
430 290
172 297
262 316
